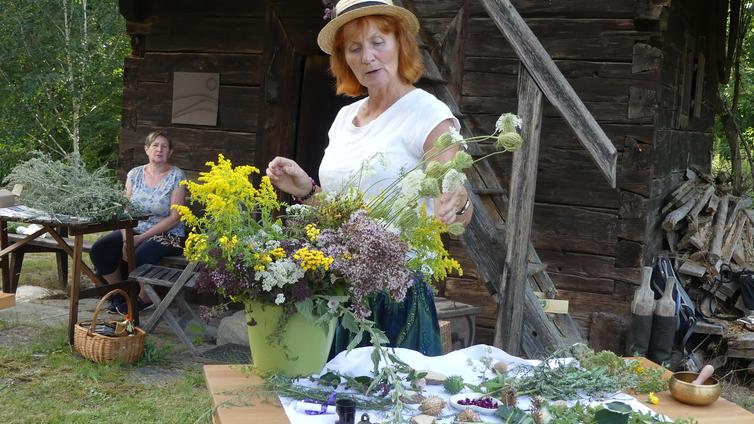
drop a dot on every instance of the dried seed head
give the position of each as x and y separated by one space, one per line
537 402
509 397
500 367
467 416
433 405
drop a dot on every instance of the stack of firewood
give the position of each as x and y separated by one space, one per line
707 227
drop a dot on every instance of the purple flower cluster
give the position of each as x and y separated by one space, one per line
369 257
230 278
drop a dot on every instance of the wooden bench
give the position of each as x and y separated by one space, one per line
179 281
46 245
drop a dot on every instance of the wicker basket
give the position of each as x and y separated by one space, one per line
100 348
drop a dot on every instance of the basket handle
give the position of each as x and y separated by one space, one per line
110 294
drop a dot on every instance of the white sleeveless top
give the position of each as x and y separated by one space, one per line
391 143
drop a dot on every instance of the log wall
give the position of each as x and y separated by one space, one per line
624 58
684 136
227 38
593 238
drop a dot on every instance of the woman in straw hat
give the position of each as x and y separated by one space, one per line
373 51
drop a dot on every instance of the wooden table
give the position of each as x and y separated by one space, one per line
77 228
719 412
226 382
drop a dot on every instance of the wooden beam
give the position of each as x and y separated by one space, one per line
484 241
554 85
718 231
7 300
511 288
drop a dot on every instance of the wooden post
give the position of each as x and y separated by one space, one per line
5 260
554 85
78 244
511 291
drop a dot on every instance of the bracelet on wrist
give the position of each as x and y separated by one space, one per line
464 208
308 195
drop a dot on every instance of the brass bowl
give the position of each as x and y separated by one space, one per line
693 394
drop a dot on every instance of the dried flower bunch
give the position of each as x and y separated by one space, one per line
66 187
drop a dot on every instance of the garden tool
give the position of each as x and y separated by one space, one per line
663 325
642 309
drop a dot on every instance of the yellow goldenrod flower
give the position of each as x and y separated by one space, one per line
278 253
312 232
311 259
654 400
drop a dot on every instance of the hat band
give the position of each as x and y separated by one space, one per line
362 4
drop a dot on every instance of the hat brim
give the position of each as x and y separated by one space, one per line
326 37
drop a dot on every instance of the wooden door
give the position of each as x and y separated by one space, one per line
318 107
298 93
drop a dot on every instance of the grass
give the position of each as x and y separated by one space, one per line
45 382
40 269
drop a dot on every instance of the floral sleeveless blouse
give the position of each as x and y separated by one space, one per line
155 201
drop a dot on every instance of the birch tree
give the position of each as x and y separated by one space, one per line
60 79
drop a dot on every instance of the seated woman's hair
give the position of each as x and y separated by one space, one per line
151 137
409 60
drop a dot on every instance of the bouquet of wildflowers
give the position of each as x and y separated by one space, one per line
343 249
325 260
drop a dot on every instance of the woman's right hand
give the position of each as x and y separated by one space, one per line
287 175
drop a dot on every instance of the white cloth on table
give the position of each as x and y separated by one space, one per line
460 362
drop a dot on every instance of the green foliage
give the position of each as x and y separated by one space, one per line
66 187
744 115
61 72
453 384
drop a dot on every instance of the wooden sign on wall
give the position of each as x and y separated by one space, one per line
195 96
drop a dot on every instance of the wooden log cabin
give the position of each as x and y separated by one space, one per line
647 70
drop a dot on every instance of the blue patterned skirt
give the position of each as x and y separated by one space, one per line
410 324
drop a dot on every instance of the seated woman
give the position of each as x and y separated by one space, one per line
153 188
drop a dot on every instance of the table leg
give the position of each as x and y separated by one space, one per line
78 244
131 264
5 261
63 245
130 249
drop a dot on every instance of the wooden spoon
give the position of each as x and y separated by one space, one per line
704 374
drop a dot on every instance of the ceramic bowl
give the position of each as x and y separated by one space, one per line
462 396
693 394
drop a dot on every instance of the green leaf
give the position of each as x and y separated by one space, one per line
606 416
355 341
376 358
350 324
363 380
513 415
305 308
380 338
329 379
619 407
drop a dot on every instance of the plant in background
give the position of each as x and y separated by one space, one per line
66 187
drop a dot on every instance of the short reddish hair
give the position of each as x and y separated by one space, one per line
409 60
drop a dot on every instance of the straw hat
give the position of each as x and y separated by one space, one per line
348 10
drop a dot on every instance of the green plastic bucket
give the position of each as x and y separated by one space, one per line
302 349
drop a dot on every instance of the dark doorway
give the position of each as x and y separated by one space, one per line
317 110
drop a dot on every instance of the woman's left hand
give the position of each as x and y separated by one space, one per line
138 238
448 204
